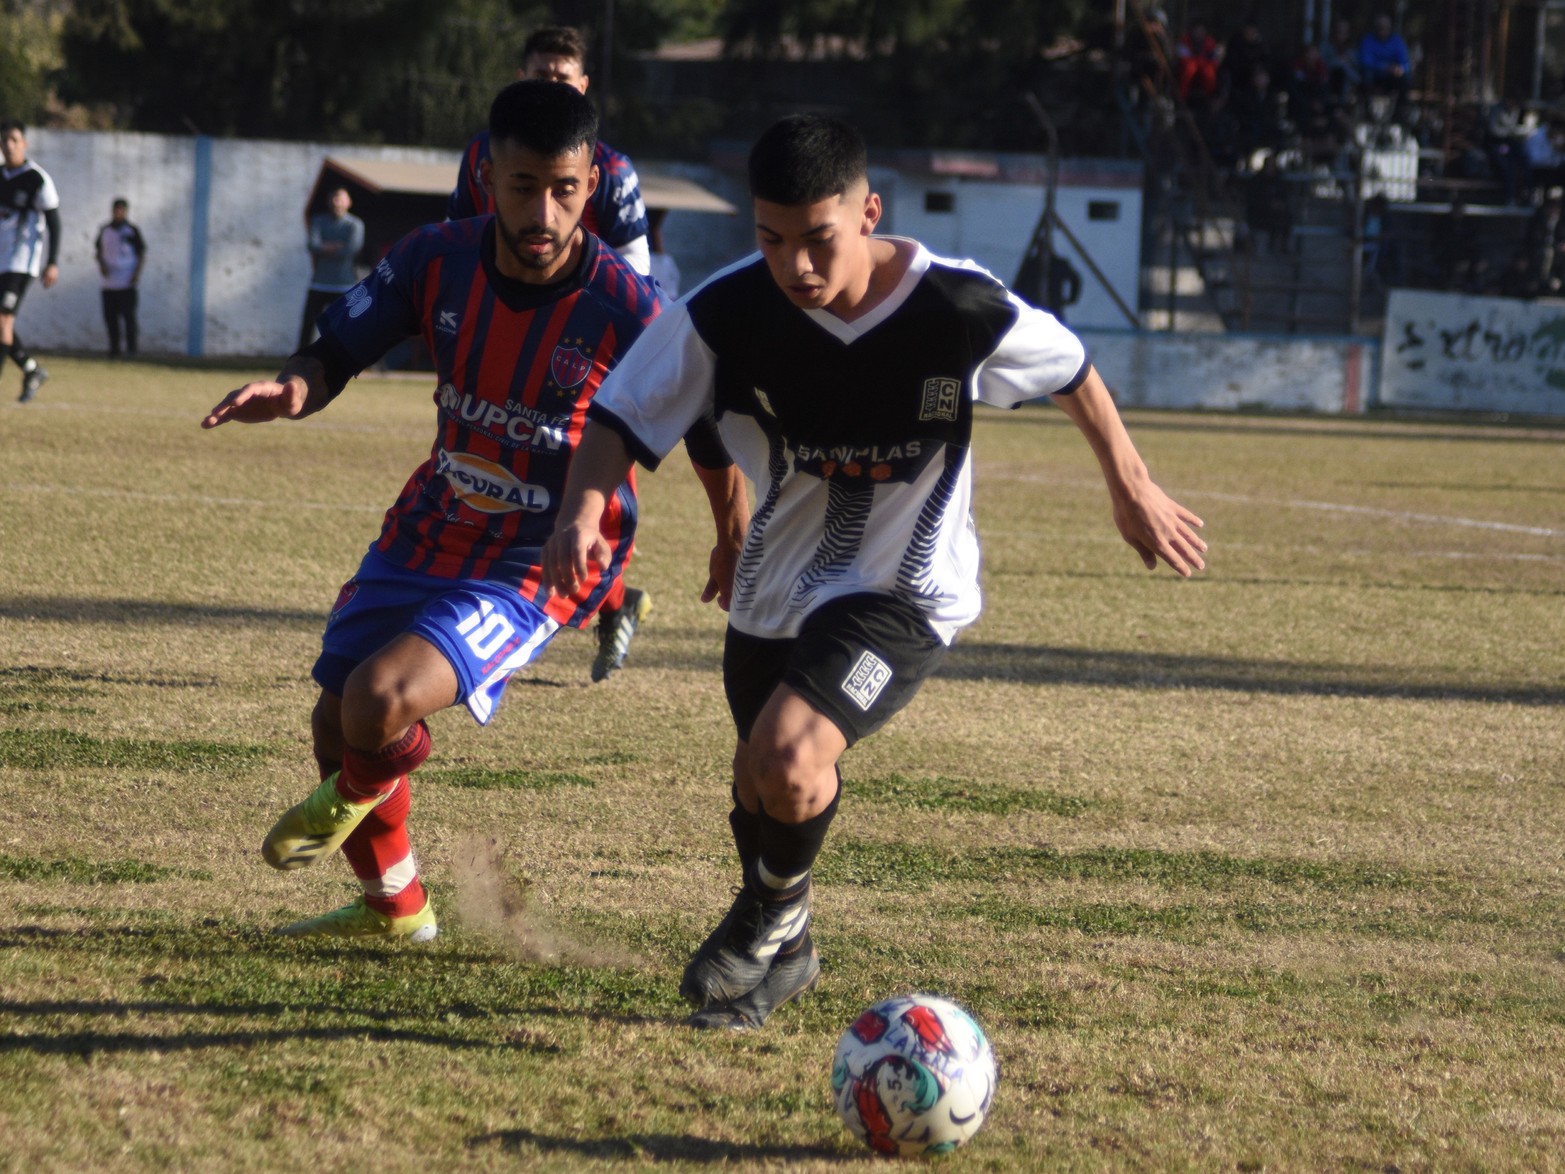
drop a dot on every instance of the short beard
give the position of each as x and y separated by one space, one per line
513 244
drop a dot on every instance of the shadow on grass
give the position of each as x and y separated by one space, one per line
87 1044
1036 665
659 1147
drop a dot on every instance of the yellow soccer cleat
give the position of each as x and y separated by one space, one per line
313 830
358 920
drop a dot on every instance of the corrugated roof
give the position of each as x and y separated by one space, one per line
433 179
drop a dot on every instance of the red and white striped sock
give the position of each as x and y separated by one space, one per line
368 775
381 855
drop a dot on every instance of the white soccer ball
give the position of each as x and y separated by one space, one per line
913 1075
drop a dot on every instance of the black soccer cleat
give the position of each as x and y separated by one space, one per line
737 955
31 382
616 629
791 975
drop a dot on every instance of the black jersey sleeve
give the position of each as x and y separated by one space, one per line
339 365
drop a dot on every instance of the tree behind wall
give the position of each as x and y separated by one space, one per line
401 71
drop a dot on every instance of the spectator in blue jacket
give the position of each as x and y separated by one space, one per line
1384 62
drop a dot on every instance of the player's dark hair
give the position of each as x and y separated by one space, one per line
806 158
9 125
545 117
120 202
556 40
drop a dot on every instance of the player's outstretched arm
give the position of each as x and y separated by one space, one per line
298 391
730 502
598 468
1156 525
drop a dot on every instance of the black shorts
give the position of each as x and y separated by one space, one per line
12 287
857 659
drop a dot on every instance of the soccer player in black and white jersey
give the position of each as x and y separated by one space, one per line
29 213
843 368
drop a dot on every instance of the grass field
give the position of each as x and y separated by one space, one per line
1259 871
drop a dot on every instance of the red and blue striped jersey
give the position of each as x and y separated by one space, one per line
614 212
517 365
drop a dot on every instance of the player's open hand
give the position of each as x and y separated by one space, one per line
570 554
1158 527
258 402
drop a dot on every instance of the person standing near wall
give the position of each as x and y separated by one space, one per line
29 211
121 252
335 239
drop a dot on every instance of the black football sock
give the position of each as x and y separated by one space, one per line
747 834
782 871
19 355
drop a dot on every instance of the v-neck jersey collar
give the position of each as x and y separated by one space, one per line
851 332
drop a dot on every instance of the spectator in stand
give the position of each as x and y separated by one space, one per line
1267 211
1545 153
121 252
1384 63
1246 52
1545 247
1199 56
1382 248
1505 143
1259 114
1341 58
1310 104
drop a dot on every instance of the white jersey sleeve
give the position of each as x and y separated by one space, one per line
661 386
1036 357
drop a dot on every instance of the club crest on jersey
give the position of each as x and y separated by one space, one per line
358 301
345 595
488 487
868 677
940 399
570 366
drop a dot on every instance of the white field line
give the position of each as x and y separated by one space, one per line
1305 504
315 423
1110 538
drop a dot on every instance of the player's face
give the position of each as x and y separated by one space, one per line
819 253
552 67
14 148
538 206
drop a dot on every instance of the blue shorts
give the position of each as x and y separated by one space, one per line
486 630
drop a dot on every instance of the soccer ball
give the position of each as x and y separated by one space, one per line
913 1075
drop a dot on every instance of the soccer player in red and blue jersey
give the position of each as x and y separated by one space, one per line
524 312
616 215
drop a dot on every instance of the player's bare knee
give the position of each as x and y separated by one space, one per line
787 779
376 708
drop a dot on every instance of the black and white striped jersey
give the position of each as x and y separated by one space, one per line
25 195
856 434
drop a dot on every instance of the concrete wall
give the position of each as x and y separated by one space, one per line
1278 373
235 289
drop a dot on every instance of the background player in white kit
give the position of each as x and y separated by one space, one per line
29 224
842 368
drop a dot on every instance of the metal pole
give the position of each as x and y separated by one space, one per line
1537 52
1356 277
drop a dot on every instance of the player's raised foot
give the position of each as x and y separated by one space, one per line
791 975
31 382
314 829
358 920
737 955
616 629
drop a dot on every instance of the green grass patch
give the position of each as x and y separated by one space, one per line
70 750
74 870
942 793
481 779
874 864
